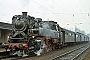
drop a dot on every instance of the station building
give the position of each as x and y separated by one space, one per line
5 29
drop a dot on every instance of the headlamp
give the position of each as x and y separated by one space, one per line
33 36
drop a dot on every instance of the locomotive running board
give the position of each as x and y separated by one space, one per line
17 38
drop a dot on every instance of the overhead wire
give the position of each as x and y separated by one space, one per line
59 12
84 9
89 13
62 9
79 10
48 9
52 11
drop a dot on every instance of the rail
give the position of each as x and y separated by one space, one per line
71 55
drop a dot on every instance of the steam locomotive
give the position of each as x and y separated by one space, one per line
31 35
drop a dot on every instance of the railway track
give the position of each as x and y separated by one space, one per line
43 57
73 54
6 56
11 57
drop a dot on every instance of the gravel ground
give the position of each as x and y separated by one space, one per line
87 56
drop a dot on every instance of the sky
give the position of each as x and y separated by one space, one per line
67 13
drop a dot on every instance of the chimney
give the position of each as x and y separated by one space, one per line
24 13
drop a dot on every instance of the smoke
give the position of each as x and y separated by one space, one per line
46 25
24 3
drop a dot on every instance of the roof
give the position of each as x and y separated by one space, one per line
63 29
5 26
